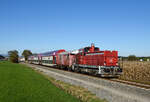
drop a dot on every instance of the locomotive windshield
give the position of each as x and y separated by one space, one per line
87 49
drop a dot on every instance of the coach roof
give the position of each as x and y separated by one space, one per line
50 53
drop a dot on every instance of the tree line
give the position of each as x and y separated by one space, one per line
14 55
133 58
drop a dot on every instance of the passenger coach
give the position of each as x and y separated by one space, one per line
47 59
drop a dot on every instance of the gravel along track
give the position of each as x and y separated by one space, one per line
104 89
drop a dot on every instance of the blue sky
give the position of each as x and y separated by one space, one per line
44 25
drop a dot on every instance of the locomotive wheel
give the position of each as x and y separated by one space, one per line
61 67
77 70
69 69
73 68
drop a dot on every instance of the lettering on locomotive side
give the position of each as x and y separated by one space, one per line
95 54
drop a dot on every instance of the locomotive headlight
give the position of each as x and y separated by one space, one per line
117 64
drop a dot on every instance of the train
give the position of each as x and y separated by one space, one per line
89 60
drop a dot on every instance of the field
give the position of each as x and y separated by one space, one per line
136 71
19 83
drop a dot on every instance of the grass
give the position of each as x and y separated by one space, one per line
81 93
136 71
19 83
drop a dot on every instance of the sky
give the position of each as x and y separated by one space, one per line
46 25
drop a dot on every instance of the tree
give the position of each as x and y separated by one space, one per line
26 54
132 58
13 56
2 57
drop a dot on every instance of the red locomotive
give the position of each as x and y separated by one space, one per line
89 59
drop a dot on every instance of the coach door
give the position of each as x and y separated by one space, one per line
54 59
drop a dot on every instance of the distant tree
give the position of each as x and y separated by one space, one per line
26 54
13 56
2 57
145 58
132 58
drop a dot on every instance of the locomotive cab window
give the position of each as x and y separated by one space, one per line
86 49
96 49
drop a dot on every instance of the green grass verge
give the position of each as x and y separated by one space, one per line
18 83
81 93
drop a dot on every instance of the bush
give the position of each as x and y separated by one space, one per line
132 58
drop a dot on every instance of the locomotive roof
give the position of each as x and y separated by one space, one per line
88 48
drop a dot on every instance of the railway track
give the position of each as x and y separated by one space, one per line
132 83
97 77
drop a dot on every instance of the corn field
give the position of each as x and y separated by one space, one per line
136 71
